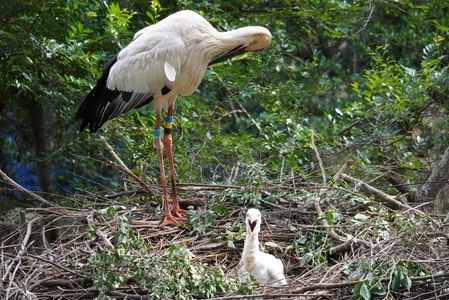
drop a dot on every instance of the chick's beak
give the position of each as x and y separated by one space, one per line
252 225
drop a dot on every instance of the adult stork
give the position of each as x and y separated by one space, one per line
162 62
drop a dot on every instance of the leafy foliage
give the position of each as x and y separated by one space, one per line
369 77
172 273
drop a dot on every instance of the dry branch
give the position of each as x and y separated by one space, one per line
20 188
384 196
437 180
396 180
318 157
98 231
114 155
347 242
125 170
22 249
63 265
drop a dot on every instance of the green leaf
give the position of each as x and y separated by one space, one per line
365 292
361 217
407 282
230 244
305 259
395 282
111 211
329 216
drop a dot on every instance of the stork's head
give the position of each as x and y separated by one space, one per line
259 38
245 39
252 221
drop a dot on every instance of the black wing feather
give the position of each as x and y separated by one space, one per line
103 104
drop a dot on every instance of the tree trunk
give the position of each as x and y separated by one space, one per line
36 113
437 181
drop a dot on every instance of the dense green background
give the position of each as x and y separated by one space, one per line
369 77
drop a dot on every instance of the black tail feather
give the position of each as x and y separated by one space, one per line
88 110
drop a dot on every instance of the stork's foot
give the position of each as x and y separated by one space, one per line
179 213
169 219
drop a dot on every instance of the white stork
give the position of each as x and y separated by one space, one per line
164 61
266 269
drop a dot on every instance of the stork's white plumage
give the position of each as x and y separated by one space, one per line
164 61
266 269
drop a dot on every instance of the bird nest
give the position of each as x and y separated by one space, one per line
335 242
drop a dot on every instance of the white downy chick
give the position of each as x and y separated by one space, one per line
266 269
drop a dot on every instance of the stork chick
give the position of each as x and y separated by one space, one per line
266 269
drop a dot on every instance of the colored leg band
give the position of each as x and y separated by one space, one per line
157 133
168 122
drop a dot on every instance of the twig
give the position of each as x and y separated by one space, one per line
341 171
255 123
125 170
271 296
58 266
18 258
331 232
320 162
98 231
387 198
215 186
114 155
347 242
367 20
20 188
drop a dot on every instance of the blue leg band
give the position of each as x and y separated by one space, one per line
157 133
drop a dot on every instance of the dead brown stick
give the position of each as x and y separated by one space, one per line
20 188
215 186
125 170
384 196
18 259
255 123
318 157
341 171
57 265
438 234
114 155
323 286
347 241
271 296
98 231
331 232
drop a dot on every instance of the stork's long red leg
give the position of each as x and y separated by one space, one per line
168 217
176 210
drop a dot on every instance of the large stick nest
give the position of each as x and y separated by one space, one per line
330 241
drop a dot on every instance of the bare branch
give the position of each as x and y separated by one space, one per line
98 231
387 198
436 181
114 155
317 153
125 170
20 188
